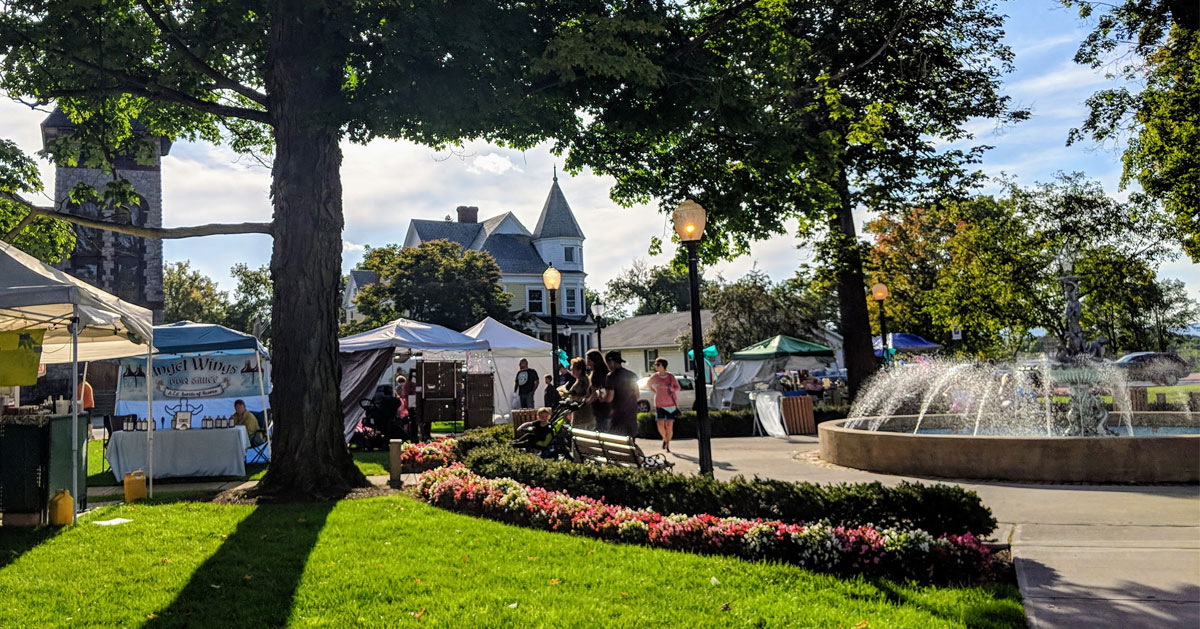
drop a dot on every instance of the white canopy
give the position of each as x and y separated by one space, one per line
740 377
33 294
365 358
36 295
411 335
508 348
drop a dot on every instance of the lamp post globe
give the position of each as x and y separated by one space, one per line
689 220
598 310
552 279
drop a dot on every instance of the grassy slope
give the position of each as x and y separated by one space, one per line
377 562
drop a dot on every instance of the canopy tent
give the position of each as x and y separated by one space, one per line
755 367
365 357
80 322
908 343
184 339
781 345
508 348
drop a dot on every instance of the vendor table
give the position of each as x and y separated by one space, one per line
181 453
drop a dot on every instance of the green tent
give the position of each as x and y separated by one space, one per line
781 346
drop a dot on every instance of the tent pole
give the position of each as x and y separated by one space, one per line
75 410
262 390
150 416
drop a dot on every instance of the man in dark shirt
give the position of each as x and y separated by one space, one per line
623 383
526 384
565 379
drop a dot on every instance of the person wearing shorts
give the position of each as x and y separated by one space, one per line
666 400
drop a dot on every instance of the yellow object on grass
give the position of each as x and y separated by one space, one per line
135 485
62 508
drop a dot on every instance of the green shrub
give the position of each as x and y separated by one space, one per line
938 509
482 437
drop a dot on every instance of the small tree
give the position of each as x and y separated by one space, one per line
189 295
654 289
436 282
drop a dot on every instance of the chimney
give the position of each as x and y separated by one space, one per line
468 214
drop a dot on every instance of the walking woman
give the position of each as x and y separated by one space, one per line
666 400
581 391
601 397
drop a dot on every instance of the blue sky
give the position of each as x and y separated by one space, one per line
388 183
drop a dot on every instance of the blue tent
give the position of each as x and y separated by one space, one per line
186 337
902 342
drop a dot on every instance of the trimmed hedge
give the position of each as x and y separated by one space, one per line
725 423
938 509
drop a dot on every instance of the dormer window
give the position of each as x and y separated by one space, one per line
569 294
569 254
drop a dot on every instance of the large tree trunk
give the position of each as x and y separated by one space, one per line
309 457
852 300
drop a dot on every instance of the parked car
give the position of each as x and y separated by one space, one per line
687 394
1157 367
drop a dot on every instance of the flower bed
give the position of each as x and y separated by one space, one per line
865 550
428 455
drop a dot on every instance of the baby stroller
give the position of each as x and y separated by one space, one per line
554 444
381 423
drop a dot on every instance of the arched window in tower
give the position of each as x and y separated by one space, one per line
133 215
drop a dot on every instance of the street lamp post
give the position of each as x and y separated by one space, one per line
880 293
689 226
552 279
598 310
570 349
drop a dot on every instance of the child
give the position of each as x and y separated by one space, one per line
534 435
551 397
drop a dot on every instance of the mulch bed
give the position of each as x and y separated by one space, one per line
248 497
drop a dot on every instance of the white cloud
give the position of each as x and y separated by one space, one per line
1066 77
493 163
349 247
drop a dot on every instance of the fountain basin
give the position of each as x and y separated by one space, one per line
1156 458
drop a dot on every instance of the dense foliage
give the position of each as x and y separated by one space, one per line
900 554
1155 45
436 282
189 295
990 266
939 509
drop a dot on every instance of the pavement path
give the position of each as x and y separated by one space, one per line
1086 555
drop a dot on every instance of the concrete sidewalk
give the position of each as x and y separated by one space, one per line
1085 555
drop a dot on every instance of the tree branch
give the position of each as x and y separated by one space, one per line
222 81
129 84
161 233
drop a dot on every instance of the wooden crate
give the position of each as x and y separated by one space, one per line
798 415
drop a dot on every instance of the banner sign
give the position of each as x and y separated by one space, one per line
191 377
20 354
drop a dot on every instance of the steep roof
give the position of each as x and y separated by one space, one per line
363 277
514 253
653 330
557 220
462 233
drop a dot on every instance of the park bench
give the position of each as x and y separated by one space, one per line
603 448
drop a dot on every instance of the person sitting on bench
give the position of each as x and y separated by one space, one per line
535 435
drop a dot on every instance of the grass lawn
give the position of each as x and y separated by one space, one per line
394 561
447 427
371 464
1177 394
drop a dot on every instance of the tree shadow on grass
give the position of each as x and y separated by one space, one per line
251 579
15 541
998 612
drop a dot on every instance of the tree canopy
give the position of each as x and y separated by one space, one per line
650 289
436 282
1154 44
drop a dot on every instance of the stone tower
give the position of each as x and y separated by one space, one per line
129 267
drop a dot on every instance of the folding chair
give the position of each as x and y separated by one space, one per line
258 453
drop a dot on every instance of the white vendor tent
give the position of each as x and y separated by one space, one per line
81 322
365 357
508 348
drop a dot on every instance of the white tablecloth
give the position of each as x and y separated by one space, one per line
181 453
